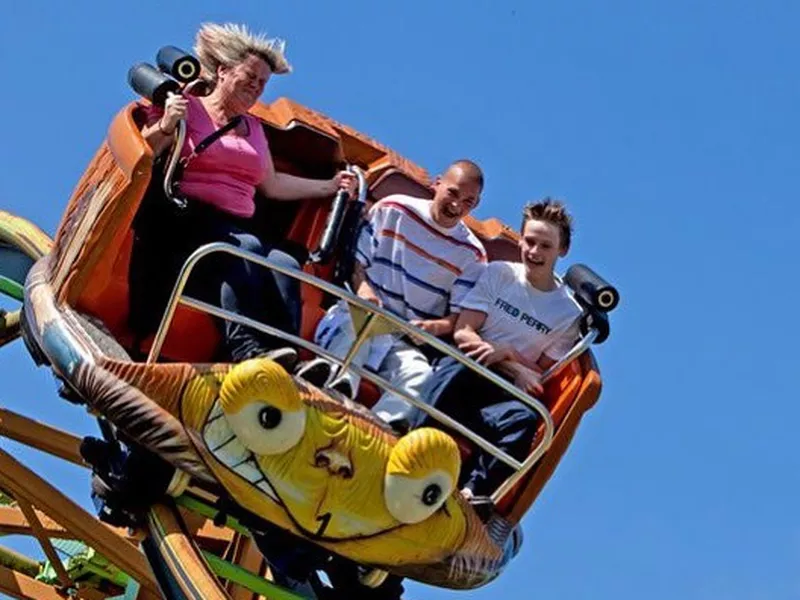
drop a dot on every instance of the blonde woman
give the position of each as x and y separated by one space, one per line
220 180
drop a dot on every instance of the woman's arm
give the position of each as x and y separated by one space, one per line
157 137
282 186
158 133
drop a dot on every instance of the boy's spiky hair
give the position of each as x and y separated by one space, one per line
553 212
229 44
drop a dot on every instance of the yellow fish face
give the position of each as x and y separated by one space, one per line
285 451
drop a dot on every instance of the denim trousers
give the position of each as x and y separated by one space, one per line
489 411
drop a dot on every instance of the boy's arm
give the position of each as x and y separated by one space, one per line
504 357
560 345
523 377
470 342
545 362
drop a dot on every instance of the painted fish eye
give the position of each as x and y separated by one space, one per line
421 474
265 429
431 494
412 500
269 417
262 406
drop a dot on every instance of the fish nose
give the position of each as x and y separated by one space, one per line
334 461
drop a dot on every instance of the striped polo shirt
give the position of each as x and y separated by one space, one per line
418 269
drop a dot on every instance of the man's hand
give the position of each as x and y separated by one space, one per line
428 326
485 353
435 328
365 292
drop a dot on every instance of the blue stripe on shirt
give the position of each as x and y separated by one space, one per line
401 298
423 284
368 230
366 258
465 283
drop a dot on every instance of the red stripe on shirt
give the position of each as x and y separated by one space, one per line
421 251
481 256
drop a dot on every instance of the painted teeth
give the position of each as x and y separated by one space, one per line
223 444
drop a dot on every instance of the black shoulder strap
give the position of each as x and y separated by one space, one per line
234 122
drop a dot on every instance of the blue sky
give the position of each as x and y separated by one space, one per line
670 128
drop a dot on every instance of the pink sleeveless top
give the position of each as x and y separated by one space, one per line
226 173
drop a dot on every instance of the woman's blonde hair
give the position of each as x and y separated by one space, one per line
229 44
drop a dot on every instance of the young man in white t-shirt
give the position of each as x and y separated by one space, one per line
519 320
417 259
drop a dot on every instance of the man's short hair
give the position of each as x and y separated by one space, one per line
553 212
470 168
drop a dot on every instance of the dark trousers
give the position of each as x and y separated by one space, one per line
489 411
221 279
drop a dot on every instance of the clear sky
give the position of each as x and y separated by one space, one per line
671 130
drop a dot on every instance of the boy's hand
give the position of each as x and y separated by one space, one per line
528 381
487 354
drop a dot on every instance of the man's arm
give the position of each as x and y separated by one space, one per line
438 327
361 285
365 251
461 288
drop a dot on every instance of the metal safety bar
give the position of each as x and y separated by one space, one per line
398 324
579 348
361 371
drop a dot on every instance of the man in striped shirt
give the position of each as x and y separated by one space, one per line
417 259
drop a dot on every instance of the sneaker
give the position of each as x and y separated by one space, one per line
285 357
316 372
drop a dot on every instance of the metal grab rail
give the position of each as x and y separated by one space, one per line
336 217
363 188
172 164
398 324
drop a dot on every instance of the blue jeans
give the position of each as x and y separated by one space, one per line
485 409
245 288
232 283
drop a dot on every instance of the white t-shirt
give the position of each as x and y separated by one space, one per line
418 269
532 321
